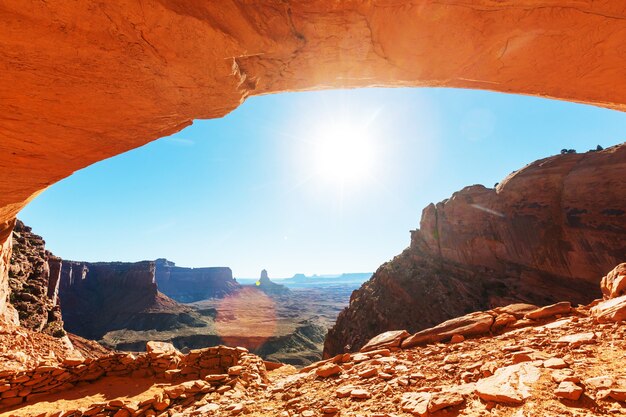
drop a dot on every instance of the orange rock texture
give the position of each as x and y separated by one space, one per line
546 233
85 81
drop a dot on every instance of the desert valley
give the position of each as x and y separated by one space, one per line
507 300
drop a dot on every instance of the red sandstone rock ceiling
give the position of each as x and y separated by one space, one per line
82 81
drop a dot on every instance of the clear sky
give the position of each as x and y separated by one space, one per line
319 182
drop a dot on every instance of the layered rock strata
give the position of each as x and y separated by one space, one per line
97 298
187 285
544 234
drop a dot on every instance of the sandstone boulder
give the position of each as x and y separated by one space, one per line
568 390
563 307
390 339
614 283
469 325
517 310
155 348
612 310
327 370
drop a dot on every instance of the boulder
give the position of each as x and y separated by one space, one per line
441 400
611 310
563 307
614 283
328 369
511 385
568 390
159 348
390 339
472 324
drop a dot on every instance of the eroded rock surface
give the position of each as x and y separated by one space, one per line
34 282
544 234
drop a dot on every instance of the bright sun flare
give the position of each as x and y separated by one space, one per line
344 153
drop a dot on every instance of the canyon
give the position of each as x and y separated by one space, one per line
82 82
544 234
124 305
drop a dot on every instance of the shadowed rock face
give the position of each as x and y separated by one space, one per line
100 297
187 285
103 79
548 232
34 279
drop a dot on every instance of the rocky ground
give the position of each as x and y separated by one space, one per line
515 361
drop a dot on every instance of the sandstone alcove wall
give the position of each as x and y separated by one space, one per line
83 81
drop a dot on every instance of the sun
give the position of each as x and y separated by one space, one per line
343 153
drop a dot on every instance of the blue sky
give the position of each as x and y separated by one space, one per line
253 190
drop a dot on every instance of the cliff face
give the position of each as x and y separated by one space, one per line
97 298
188 285
33 280
546 233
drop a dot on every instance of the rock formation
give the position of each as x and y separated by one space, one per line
34 282
187 285
150 68
269 287
544 234
97 298
553 360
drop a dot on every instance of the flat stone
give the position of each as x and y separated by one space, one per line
415 403
518 310
368 372
561 375
563 307
441 400
509 385
392 338
568 390
360 394
344 391
613 310
618 394
599 382
578 339
555 363
328 369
